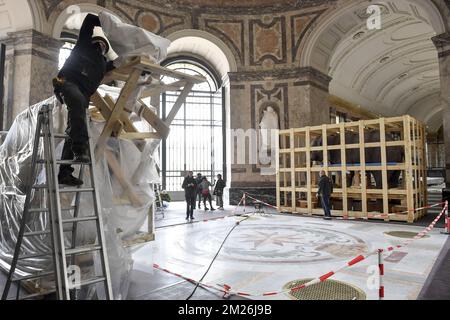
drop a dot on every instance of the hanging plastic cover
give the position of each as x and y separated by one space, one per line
139 42
124 203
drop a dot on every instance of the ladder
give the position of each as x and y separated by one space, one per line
65 288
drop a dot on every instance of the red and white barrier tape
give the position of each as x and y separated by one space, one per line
227 289
156 266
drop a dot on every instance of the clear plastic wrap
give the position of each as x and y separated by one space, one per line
139 41
125 202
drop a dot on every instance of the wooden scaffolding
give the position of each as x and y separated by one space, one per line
298 174
116 114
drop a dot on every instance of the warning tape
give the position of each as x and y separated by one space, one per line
227 289
158 267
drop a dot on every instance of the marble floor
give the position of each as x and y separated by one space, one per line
264 253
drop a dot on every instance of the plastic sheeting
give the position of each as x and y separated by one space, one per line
121 216
139 41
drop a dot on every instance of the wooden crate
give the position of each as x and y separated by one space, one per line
297 175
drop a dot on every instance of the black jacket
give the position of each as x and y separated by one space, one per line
220 185
189 186
86 65
325 186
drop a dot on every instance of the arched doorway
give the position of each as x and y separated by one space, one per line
196 140
203 50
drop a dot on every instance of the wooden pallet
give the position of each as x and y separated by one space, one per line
297 176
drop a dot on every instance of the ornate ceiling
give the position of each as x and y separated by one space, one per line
392 71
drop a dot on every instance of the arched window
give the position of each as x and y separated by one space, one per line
196 139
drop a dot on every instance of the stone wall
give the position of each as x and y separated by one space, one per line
31 63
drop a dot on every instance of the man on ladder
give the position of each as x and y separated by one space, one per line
77 81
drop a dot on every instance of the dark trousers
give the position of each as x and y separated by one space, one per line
77 103
325 200
190 205
208 196
199 194
219 200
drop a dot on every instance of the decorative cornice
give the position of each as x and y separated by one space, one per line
301 75
33 37
279 74
240 9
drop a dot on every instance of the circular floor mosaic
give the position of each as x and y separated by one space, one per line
280 243
403 234
327 290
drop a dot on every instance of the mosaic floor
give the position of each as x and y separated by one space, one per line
265 253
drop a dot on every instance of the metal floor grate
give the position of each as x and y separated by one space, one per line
327 290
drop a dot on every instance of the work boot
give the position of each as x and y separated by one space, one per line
70 180
82 157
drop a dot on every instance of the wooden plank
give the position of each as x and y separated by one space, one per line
362 159
308 172
105 106
148 65
160 126
409 173
278 170
344 169
384 171
140 135
176 107
292 170
160 88
127 90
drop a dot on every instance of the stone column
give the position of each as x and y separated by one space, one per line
31 63
442 43
300 98
310 104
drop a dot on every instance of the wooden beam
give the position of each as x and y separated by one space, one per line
127 90
160 88
176 107
139 135
160 126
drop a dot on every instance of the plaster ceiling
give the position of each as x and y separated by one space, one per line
392 71
15 15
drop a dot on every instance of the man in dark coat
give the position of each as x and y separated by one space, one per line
78 80
199 180
190 192
218 191
325 191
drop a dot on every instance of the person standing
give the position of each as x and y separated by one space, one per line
199 190
324 192
190 192
206 194
218 191
78 80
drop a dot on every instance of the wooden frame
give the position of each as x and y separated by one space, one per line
118 123
297 176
